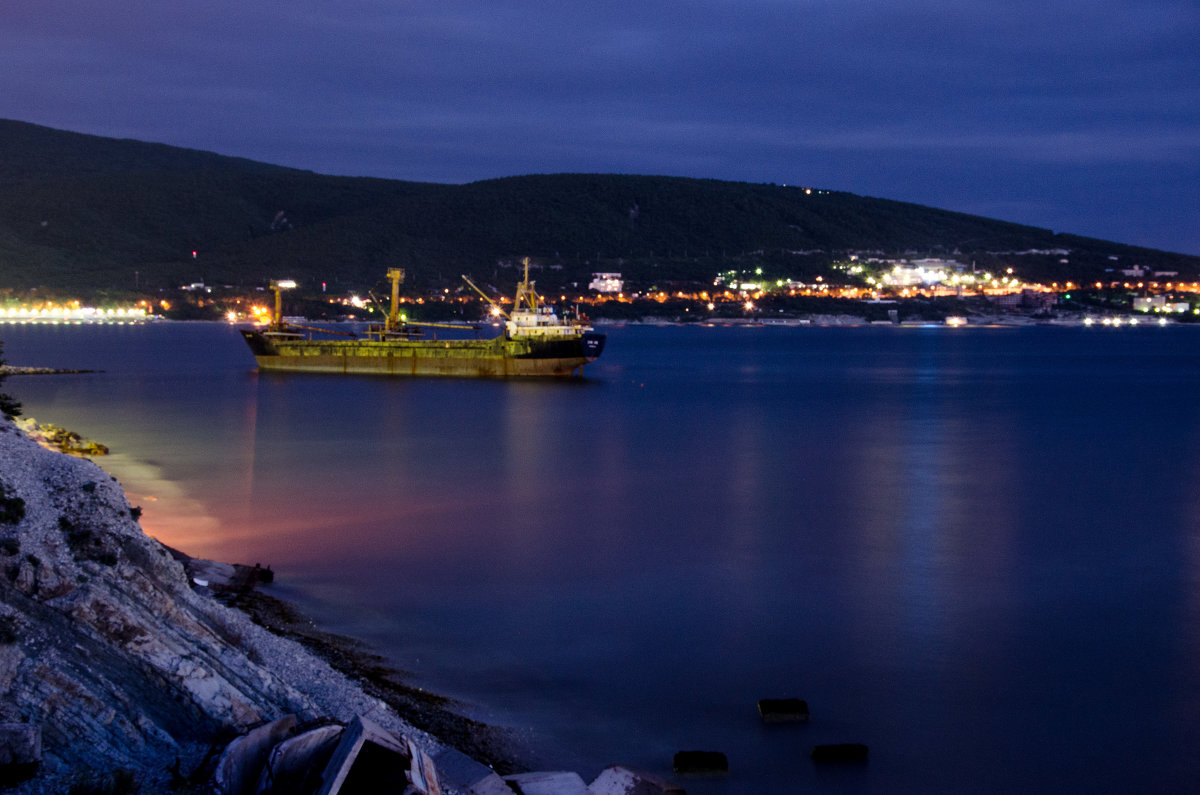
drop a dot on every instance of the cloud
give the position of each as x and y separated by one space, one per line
456 90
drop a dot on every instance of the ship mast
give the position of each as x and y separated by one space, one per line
525 291
277 287
396 275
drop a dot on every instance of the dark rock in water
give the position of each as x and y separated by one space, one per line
701 763
840 752
783 710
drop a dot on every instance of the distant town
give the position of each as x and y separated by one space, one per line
862 287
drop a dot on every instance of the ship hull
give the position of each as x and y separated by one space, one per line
495 358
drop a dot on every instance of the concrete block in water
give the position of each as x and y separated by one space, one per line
701 763
618 780
782 710
458 771
840 752
556 783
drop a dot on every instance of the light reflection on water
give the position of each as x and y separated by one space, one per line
969 550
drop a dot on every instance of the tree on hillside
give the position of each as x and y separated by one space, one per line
8 407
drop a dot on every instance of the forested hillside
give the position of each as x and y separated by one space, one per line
100 214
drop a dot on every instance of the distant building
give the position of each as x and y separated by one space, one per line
1159 303
908 273
1026 299
606 283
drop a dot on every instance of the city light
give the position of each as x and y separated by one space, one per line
72 313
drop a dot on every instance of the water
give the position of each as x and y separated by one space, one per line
975 550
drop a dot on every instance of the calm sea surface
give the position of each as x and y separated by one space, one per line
976 550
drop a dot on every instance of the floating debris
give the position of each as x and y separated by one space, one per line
783 710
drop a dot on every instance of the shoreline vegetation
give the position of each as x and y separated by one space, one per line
66 441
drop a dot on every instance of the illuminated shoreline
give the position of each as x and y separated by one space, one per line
74 315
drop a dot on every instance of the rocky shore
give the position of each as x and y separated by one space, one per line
120 662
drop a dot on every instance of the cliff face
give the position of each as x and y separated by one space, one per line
106 647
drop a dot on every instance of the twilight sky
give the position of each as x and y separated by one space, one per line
1081 116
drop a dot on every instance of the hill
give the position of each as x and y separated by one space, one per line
97 214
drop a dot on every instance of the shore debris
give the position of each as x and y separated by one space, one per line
368 753
278 757
242 761
296 764
326 759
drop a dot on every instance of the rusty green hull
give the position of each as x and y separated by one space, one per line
494 358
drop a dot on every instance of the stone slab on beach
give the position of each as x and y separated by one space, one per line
461 772
548 783
619 780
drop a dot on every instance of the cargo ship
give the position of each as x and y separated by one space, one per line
534 342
